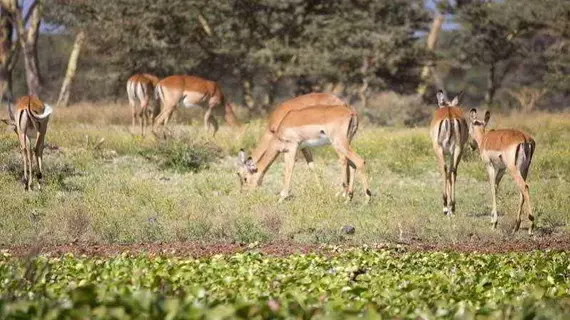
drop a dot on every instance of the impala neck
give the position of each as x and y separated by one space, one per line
478 135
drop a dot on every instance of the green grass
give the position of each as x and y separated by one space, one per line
347 284
128 190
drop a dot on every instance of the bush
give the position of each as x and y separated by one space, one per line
391 109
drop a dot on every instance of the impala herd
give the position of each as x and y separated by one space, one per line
301 123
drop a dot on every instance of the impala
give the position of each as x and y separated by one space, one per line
309 127
500 150
275 118
192 91
31 120
449 133
140 88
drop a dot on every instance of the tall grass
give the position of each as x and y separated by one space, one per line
129 189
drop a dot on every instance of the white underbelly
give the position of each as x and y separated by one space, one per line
313 143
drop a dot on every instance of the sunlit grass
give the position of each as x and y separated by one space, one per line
106 184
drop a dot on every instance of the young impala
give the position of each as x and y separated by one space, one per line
192 91
31 120
309 127
449 132
140 87
500 150
275 118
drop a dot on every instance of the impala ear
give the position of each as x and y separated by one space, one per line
487 116
457 98
473 113
441 99
241 156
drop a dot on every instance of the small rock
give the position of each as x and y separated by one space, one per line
348 229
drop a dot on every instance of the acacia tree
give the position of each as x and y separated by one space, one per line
27 27
8 51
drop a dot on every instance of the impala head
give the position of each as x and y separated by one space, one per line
442 100
246 168
477 127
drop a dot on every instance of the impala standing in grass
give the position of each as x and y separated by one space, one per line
275 118
192 91
449 133
30 122
309 127
140 88
500 150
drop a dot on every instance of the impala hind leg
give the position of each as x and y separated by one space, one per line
444 175
289 165
455 158
23 149
209 120
39 150
309 158
360 165
524 198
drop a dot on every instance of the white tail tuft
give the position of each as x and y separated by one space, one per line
47 111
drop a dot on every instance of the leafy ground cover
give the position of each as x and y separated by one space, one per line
359 282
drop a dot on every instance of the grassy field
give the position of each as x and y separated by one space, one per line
126 189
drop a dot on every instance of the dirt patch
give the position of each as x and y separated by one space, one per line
281 249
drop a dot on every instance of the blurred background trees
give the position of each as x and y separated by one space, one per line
507 54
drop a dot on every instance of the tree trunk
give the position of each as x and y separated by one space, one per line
431 42
28 39
491 85
7 52
63 99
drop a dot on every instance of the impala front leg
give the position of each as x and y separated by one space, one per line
289 165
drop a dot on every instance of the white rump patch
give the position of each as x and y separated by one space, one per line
47 111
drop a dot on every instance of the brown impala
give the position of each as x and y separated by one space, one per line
30 122
275 118
140 88
500 150
309 127
192 91
449 132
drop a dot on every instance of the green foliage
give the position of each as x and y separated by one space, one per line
356 282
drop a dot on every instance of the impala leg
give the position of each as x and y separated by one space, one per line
523 187
133 114
29 163
456 158
289 165
143 115
39 150
360 165
524 173
492 173
22 138
210 120
309 158
443 172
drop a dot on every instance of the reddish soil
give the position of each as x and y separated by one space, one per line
193 249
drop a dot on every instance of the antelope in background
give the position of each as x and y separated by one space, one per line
309 127
140 87
31 121
275 118
500 150
449 133
192 91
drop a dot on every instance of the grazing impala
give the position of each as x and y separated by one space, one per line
504 149
449 132
140 87
31 120
275 118
192 91
309 127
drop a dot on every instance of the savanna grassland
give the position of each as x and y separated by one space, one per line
112 201
105 185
